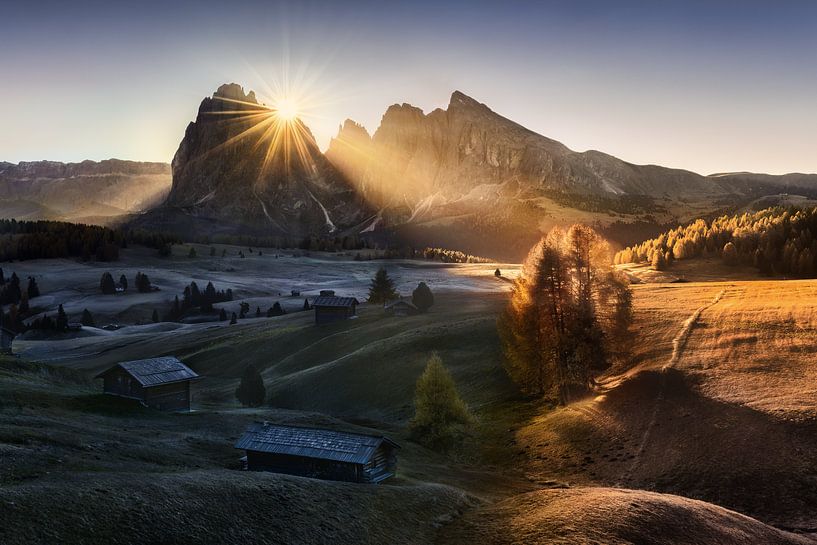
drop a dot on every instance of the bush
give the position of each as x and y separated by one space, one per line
422 297
251 391
441 418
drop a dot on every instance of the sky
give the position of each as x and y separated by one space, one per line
710 86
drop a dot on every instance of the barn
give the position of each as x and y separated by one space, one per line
319 453
400 307
160 383
330 308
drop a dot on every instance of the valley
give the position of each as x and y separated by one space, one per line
673 446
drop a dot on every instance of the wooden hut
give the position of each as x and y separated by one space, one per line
161 383
330 308
319 453
400 307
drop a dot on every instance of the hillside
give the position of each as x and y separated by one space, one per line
695 417
775 241
60 191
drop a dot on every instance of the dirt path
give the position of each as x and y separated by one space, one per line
678 346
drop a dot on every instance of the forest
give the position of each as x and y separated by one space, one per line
776 241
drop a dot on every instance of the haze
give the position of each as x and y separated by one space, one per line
707 86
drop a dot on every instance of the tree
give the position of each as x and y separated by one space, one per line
33 289
441 417
106 284
62 319
251 391
142 283
24 306
497 273
257 312
275 310
222 315
164 250
381 289
422 297
192 252
233 319
123 281
306 304
730 254
212 251
88 318
155 316
659 263
569 313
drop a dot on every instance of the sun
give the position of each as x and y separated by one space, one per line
286 109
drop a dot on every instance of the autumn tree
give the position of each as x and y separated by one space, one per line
730 254
441 417
569 315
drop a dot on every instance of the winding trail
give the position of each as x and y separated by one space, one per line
679 343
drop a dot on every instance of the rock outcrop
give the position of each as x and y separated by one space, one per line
241 168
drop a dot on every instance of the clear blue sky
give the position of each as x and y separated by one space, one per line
704 85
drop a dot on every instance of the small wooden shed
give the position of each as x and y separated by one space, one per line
400 307
319 453
161 383
330 308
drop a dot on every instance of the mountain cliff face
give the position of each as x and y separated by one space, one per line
89 192
448 153
241 168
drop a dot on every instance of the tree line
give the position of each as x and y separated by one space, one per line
776 241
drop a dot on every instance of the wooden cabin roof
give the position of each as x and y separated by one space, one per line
155 371
333 301
320 443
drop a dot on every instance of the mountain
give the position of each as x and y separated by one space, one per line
60 191
240 168
468 177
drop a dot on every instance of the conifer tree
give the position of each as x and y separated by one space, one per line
381 289
87 318
106 284
155 316
251 391
441 417
33 288
192 252
233 319
306 304
222 315
123 281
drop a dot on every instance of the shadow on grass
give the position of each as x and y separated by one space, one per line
107 405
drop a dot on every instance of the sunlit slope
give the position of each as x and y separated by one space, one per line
720 406
611 516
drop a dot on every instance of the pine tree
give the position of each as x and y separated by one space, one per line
33 288
233 319
422 297
155 316
106 284
306 304
222 315
257 312
192 252
87 318
276 310
62 319
251 391
441 417
142 283
381 289
123 281
497 273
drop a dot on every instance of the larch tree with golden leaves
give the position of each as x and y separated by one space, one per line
569 315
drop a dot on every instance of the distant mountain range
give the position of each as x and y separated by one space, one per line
87 192
464 177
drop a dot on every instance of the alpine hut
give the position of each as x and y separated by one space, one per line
160 383
319 453
330 308
400 307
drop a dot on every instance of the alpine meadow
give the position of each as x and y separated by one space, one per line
410 273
